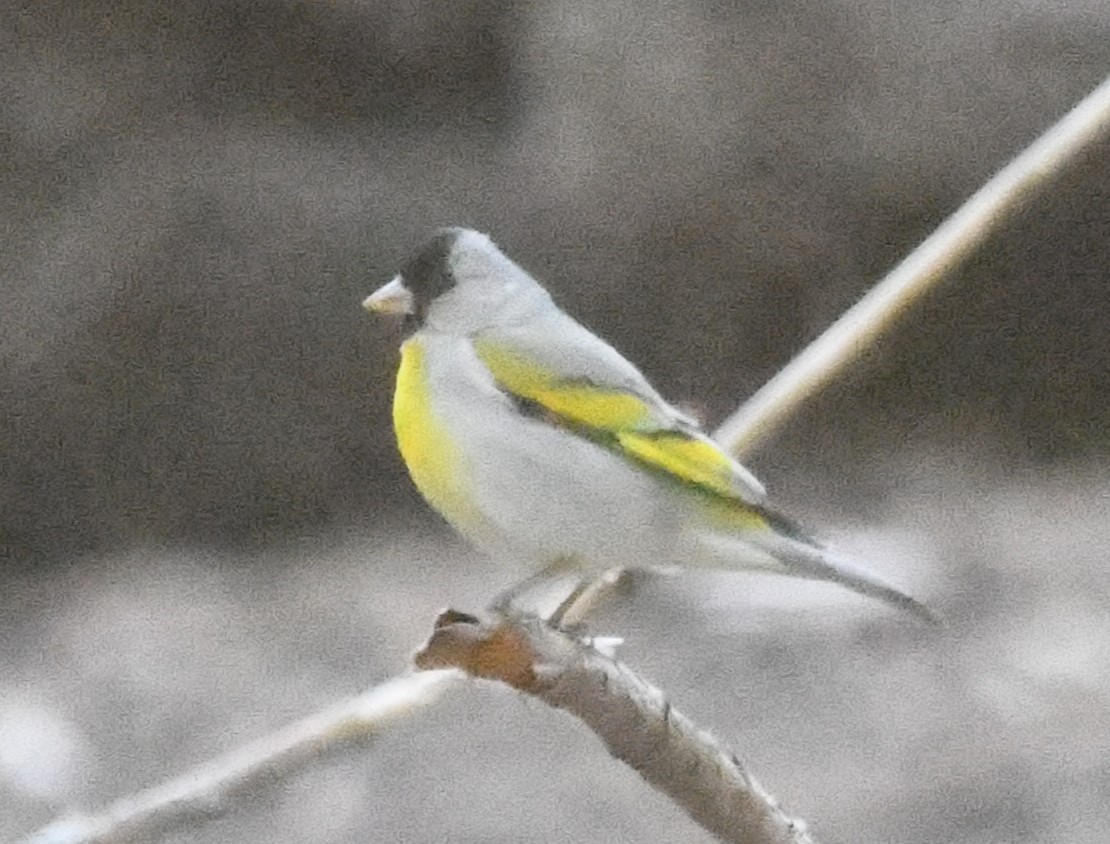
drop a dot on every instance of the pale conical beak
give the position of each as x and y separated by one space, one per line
393 298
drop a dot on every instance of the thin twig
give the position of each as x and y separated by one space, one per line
636 722
218 786
934 260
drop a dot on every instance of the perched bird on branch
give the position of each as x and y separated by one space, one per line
538 440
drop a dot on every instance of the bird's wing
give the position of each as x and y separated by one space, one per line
576 379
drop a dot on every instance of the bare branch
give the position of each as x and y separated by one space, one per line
218 786
635 721
934 260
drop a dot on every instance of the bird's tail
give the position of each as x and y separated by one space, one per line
799 558
849 574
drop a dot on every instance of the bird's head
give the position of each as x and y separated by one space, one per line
458 282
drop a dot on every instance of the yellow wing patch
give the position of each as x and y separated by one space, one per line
427 449
584 404
627 425
686 457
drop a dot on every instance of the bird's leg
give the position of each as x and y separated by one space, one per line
559 566
567 604
586 596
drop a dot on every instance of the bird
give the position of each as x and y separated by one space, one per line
539 441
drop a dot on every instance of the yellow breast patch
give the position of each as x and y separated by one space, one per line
429 452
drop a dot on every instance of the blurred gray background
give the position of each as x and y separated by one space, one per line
205 529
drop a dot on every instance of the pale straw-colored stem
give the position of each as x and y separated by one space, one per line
934 260
216 787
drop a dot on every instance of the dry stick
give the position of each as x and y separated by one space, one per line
210 790
633 718
935 259
214 788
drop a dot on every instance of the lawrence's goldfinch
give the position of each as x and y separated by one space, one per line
537 439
